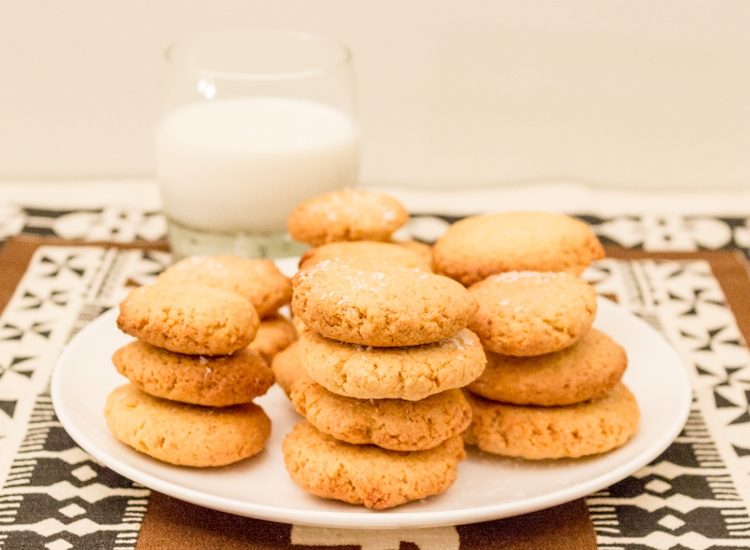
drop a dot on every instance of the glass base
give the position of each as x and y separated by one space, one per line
188 241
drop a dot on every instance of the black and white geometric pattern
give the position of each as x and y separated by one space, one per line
52 494
694 496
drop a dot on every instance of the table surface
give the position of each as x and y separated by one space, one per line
686 273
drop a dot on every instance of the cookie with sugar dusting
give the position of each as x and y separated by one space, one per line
479 246
586 370
393 424
185 435
346 215
217 381
524 313
572 431
365 302
409 373
387 253
275 333
257 279
190 319
365 474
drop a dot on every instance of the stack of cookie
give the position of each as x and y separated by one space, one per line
199 359
385 349
552 386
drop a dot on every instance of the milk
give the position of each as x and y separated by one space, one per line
240 165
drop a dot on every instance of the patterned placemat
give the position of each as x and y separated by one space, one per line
55 496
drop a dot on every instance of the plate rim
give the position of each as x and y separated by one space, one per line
361 518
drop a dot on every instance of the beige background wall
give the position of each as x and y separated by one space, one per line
631 92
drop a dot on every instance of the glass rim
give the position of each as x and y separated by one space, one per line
343 57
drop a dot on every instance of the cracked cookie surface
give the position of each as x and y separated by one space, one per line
185 435
524 313
365 302
216 381
410 373
585 370
393 424
258 280
573 431
479 246
191 319
365 474
346 215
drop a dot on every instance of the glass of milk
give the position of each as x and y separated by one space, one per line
253 122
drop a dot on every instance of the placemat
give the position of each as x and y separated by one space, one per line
54 496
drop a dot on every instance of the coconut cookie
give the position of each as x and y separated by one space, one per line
287 368
191 319
525 313
389 423
479 246
387 253
365 302
211 381
587 428
585 370
185 435
258 280
275 333
365 474
410 373
346 215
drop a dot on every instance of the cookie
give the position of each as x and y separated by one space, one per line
392 424
387 253
365 474
275 333
423 250
192 319
211 381
346 215
287 368
410 373
524 313
476 247
587 428
585 370
365 302
258 280
185 435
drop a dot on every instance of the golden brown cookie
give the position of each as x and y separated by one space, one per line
346 215
585 370
410 373
524 313
587 428
387 253
185 435
423 250
192 319
211 381
393 424
364 302
275 333
479 246
365 474
287 369
258 280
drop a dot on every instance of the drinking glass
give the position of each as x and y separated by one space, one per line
253 121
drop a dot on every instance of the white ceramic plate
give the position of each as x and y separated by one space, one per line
487 487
